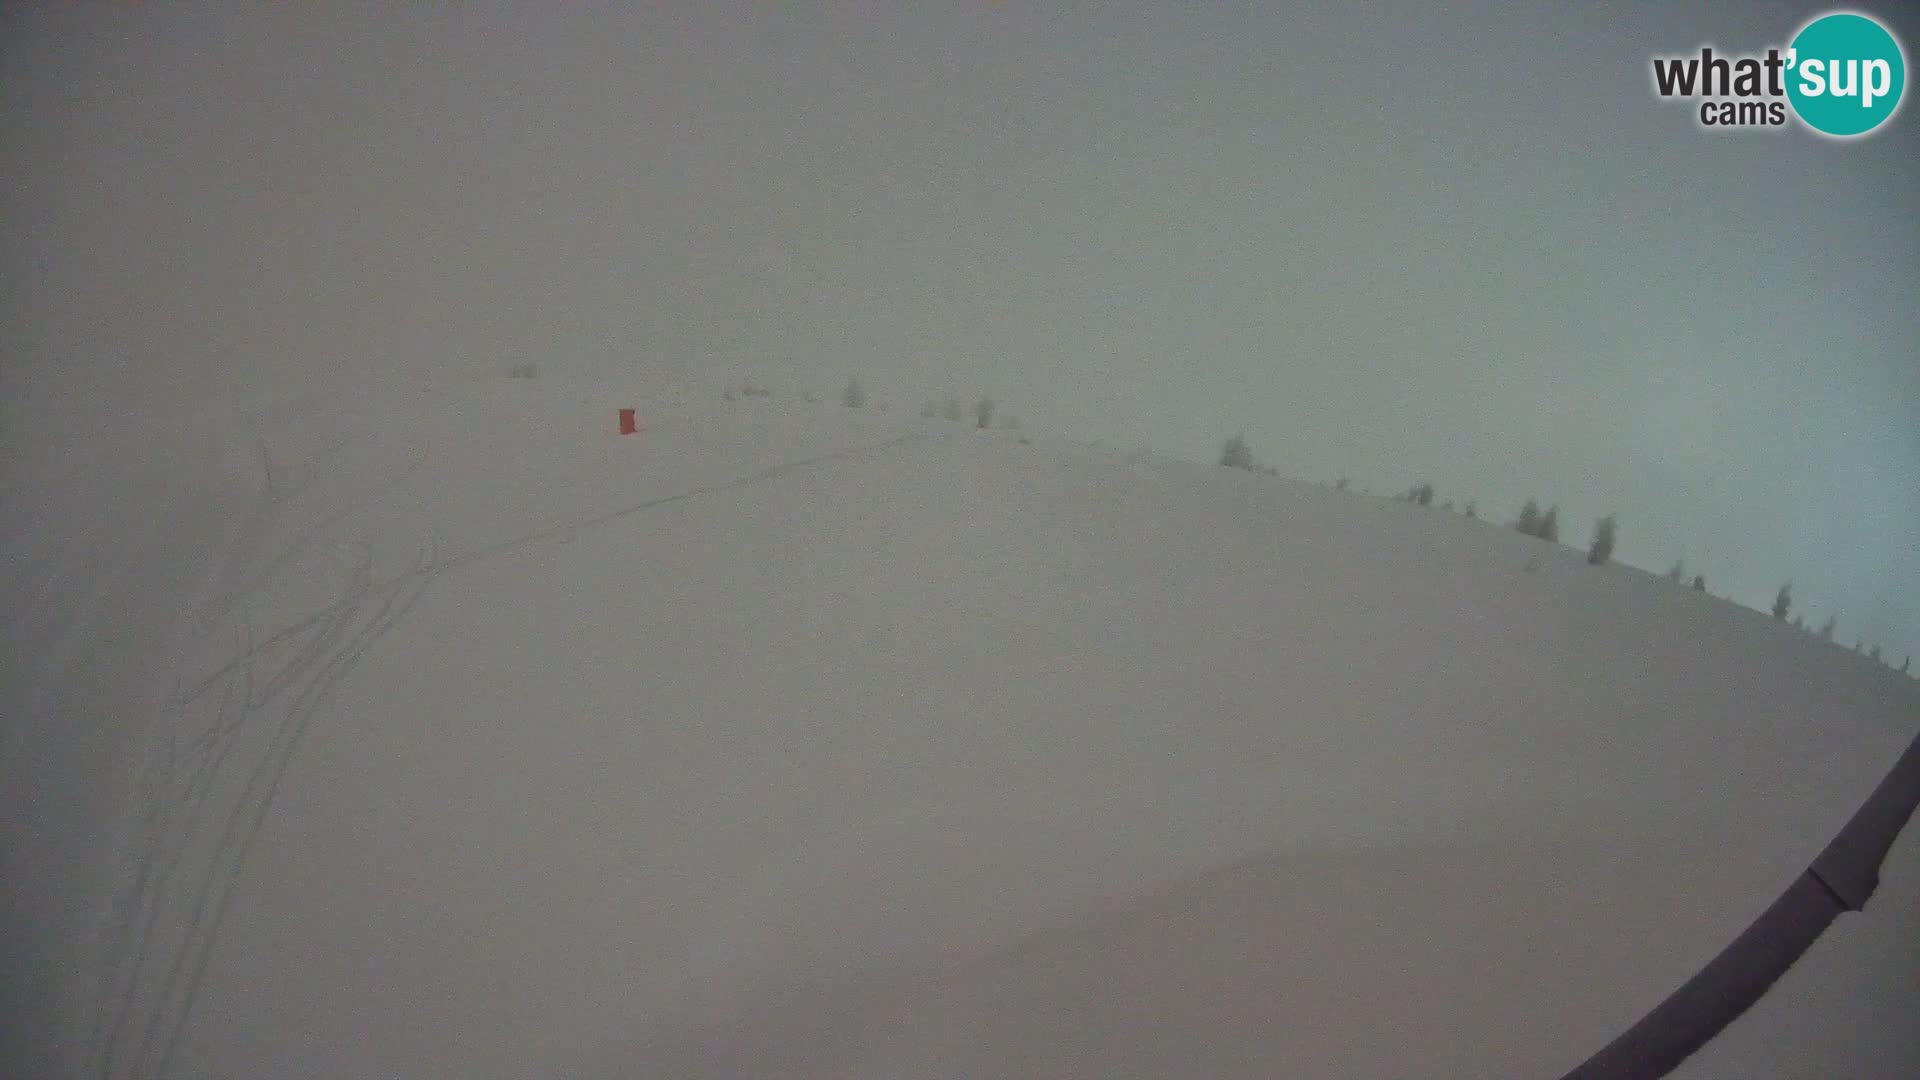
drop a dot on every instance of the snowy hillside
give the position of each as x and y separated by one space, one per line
449 733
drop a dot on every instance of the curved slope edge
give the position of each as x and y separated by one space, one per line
1841 878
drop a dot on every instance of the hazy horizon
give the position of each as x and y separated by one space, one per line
1470 248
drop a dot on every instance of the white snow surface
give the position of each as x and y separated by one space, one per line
442 731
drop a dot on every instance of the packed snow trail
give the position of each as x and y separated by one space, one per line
215 788
234 732
91 640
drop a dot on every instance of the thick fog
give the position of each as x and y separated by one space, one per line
1470 248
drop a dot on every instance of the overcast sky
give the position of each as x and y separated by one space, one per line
1400 244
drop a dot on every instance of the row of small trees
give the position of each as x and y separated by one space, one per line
951 409
1783 606
854 396
1545 525
1782 611
1678 574
1532 522
1236 454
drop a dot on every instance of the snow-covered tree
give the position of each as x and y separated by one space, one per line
1236 454
1529 520
1601 549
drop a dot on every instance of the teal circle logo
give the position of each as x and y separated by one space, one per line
1846 74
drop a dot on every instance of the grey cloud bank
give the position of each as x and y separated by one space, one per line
1469 247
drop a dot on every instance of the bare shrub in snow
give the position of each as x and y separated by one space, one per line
853 397
983 413
522 371
1341 484
1473 509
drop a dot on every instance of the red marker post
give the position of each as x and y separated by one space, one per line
627 425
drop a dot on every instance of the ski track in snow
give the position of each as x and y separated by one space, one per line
210 777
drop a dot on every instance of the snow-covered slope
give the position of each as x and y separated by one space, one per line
450 733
